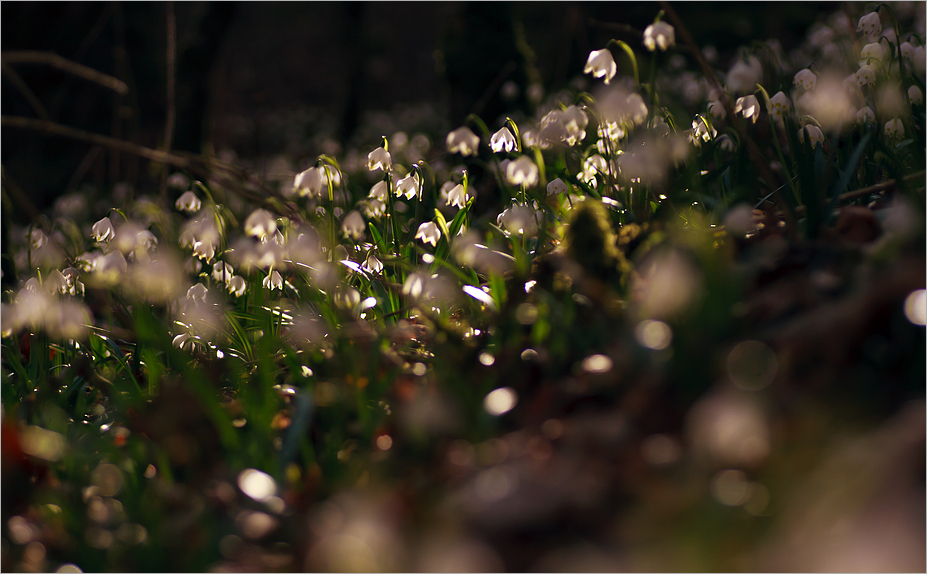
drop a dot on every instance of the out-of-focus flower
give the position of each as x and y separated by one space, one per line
716 109
870 51
38 239
463 141
68 320
102 230
865 75
749 107
273 280
428 232
158 280
522 171
815 135
744 75
178 181
237 285
725 142
309 183
197 293
260 223
915 95
458 196
222 272
780 106
380 191
188 202
601 64
870 25
920 60
110 267
353 225
557 187
410 186
622 107
519 220
805 79
894 129
865 115
379 159
502 141
374 208
907 51
659 34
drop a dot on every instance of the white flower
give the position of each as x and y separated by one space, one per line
457 196
237 285
372 264
907 51
865 75
260 223
702 131
183 341
204 250
428 232
374 208
919 60
222 271
197 293
815 135
593 165
522 171
188 202
725 142
871 51
309 182
870 24
519 220
659 34
780 106
379 159
744 75
502 140
620 107
749 107
380 191
716 109
915 95
409 186
178 181
463 141
557 187
38 239
353 225
103 230
601 64
865 115
894 129
805 79
273 281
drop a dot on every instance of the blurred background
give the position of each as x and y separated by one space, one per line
258 79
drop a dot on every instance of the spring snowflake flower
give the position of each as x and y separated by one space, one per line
260 223
522 171
749 107
659 34
103 231
410 186
204 250
373 265
621 107
744 75
865 116
379 159
273 281
919 60
178 181
188 202
725 142
870 25
907 51
197 293
871 51
458 196
38 239
716 109
557 187
502 141
815 135
222 272
865 75
780 106
428 232
353 225
894 129
380 191
701 131
805 79
374 208
463 141
601 64
309 183
237 285
519 220
593 165
915 95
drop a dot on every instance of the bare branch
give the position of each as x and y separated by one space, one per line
56 61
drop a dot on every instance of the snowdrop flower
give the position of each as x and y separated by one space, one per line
749 107
870 25
865 75
463 141
273 281
379 159
805 79
894 129
865 116
907 51
659 34
380 191
205 250
102 230
522 171
353 225
870 51
502 141
780 105
197 293
815 134
260 223
237 285
188 202
309 183
557 187
222 272
428 232
372 264
915 95
601 64
458 196
744 75
409 186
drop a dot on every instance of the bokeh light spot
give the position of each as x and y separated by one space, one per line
500 401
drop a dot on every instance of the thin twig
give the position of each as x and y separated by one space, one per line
171 111
23 88
615 27
877 188
63 64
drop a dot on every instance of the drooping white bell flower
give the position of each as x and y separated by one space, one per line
871 51
815 135
409 186
197 293
780 106
463 141
805 79
102 230
522 171
894 129
374 208
502 141
353 225
716 109
744 75
725 142
919 60
623 108
237 285
309 183
865 75
188 202
457 196
701 131
659 34
749 107
380 191
870 25
379 159
915 95
273 281
372 264
260 223
428 232
601 64
205 250
557 187
907 51
865 116
519 220
222 272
